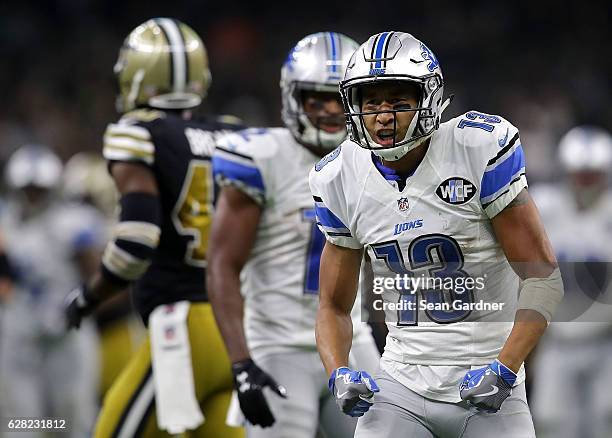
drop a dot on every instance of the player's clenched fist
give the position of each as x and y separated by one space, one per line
78 304
249 381
488 387
353 390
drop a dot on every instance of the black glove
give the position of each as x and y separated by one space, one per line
78 304
249 381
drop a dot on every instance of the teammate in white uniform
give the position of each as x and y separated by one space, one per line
430 200
46 371
265 227
577 350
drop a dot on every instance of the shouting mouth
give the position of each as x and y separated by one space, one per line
385 137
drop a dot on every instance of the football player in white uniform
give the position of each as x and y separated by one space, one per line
430 200
45 371
265 228
577 350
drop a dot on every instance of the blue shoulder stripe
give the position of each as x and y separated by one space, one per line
230 170
326 218
502 175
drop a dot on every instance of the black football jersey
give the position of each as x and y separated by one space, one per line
178 152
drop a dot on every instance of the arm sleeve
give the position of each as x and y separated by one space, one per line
504 176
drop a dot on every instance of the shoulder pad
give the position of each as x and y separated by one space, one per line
228 121
330 166
328 159
124 141
476 129
256 143
142 115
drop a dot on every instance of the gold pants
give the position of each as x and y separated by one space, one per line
129 406
119 340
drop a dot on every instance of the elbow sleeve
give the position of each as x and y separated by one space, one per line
542 294
135 238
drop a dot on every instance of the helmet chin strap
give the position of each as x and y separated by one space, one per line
396 153
134 90
446 103
319 137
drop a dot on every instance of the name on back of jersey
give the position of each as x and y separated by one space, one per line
201 143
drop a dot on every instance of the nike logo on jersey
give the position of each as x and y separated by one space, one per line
502 141
494 391
456 190
342 394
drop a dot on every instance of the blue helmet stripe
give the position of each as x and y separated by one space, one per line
379 49
334 56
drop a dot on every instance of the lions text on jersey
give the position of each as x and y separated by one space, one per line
438 224
281 277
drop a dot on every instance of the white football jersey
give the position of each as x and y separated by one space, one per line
43 248
280 281
578 237
438 225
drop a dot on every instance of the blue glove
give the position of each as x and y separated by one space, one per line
487 388
353 390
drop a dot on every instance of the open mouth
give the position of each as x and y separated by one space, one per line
384 137
332 129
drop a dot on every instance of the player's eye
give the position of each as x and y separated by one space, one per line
402 106
371 105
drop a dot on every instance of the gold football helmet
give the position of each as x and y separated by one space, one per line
86 178
162 64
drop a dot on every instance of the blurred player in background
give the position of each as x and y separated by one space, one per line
7 273
265 230
571 369
47 372
7 278
86 180
424 198
159 156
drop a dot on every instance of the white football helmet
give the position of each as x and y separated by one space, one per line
33 166
316 63
585 153
397 57
586 148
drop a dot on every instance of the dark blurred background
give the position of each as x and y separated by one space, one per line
545 65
